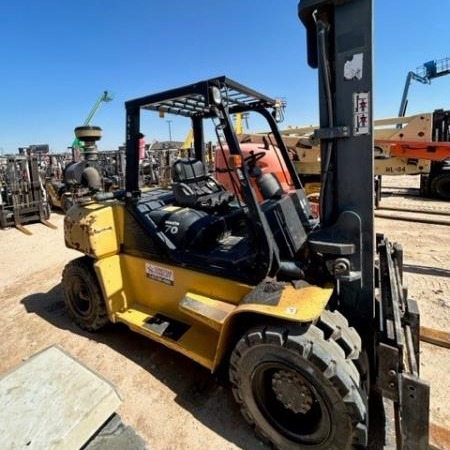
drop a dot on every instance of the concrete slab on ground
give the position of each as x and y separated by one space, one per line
52 401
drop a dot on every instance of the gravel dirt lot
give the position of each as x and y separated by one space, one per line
172 402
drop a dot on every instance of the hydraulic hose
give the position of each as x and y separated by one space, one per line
322 30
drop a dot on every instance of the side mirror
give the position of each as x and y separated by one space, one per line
278 110
276 114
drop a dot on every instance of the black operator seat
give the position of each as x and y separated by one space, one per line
194 187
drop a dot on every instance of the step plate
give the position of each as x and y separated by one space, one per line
165 327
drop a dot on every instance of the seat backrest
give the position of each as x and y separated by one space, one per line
189 171
193 186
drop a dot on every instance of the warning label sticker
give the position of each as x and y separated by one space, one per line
361 113
159 273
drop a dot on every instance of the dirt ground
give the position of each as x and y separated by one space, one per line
172 402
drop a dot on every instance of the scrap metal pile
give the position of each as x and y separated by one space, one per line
23 198
159 159
35 181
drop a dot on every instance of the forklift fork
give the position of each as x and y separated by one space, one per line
398 356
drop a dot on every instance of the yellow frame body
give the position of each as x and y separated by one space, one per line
209 304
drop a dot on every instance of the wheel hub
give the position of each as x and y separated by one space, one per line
292 391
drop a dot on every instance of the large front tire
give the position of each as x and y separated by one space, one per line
299 390
82 295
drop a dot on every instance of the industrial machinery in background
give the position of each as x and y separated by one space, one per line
23 198
435 182
155 169
84 178
62 192
310 316
92 171
414 145
53 179
77 145
423 74
419 147
423 140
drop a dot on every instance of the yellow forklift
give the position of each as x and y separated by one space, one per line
313 326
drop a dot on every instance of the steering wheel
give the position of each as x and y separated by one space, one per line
251 160
253 157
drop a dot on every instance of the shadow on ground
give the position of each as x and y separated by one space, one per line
205 396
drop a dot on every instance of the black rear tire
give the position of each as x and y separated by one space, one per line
298 389
440 186
82 295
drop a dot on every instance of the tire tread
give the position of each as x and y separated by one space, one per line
84 265
315 343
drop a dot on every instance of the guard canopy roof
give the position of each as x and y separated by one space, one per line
195 100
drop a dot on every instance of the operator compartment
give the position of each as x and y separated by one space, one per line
243 225
187 228
286 208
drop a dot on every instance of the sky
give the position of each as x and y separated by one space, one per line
58 56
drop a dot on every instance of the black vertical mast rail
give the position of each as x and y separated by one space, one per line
339 36
398 363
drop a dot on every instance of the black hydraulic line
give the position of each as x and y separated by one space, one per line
236 189
322 30
269 136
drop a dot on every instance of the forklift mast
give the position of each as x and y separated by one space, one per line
339 39
339 34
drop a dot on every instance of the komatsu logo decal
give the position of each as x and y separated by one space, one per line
171 226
